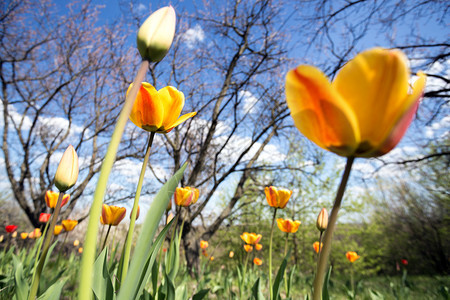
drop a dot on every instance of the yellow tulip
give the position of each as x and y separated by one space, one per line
58 229
352 256
251 238
24 235
231 254
156 34
51 198
258 247
158 111
76 243
288 225
316 246
364 112
248 248
322 220
277 197
67 173
186 196
204 244
80 250
69 225
112 215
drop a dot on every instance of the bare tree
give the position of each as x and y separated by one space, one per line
62 79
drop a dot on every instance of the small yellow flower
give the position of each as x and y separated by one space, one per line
288 225
211 258
251 238
186 196
69 225
80 250
352 256
257 261
203 244
58 229
76 243
277 197
23 235
112 215
67 173
316 246
248 248
14 234
51 198
258 247
231 254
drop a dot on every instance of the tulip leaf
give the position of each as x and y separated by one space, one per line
325 294
170 289
291 278
201 294
101 282
54 291
173 258
22 287
144 244
181 292
256 290
277 283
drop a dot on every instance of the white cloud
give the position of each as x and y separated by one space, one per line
249 100
193 36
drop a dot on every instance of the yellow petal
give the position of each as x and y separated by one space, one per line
148 110
374 84
173 102
319 112
180 120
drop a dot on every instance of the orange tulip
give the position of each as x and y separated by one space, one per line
112 215
251 238
137 213
80 250
352 256
276 197
204 244
248 248
231 254
258 247
288 225
69 225
364 112
316 246
36 233
51 198
186 196
322 220
158 111
24 235
58 229
257 261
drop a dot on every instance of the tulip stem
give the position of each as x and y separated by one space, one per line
325 252
87 261
178 212
106 237
270 254
47 241
285 270
39 249
128 241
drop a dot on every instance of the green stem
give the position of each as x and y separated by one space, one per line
325 252
48 239
87 261
129 240
61 249
285 270
41 240
352 281
270 254
178 212
106 238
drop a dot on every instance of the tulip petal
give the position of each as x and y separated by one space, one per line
173 102
401 123
374 84
148 110
180 120
319 112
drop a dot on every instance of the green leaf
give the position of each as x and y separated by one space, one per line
279 278
143 248
173 258
101 280
256 290
200 295
54 291
325 294
170 289
155 274
291 278
181 292
22 287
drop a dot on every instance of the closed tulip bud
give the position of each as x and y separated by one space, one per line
80 250
24 235
112 215
14 235
257 261
186 196
137 213
51 198
317 247
43 217
277 197
169 218
352 256
156 34
1 238
67 173
322 220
